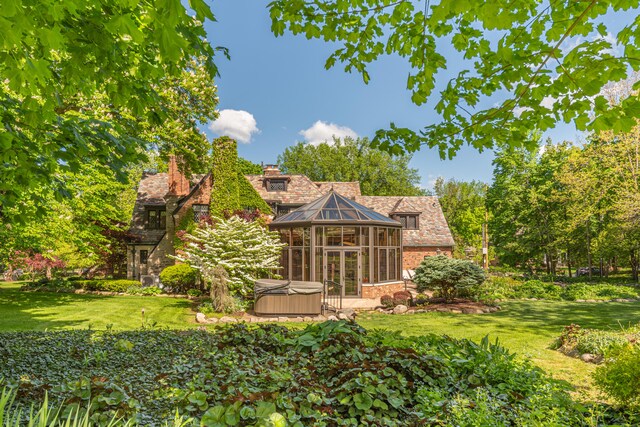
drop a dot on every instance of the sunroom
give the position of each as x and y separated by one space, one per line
336 240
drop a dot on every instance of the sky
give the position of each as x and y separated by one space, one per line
275 92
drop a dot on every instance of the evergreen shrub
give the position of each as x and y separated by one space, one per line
179 278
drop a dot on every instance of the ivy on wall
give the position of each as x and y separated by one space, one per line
224 189
249 197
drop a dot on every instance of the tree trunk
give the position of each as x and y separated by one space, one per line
589 249
568 263
601 266
634 266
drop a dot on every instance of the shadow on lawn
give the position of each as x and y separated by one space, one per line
551 317
20 311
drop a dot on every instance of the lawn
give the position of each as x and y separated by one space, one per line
525 327
37 311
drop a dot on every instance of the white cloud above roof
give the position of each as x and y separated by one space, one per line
321 132
237 124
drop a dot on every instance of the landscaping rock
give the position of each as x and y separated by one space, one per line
589 358
456 311
333 318
443 310
296 319
201 318
486 309
283 319
591 300
343 316
400 309
227 319
420 310
212 320
581 300
350 313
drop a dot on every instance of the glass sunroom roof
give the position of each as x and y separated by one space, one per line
334 207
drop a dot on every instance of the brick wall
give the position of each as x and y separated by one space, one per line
379 290
412 256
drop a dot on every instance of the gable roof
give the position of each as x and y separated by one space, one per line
433 231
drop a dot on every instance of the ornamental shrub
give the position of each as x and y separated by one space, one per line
246 250
402 297
619 376
387 301
121 285
447 276
179 278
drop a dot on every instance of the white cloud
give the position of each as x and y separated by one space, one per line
237 124
321 132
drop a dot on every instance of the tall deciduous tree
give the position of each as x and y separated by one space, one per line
463 205
379 173
549 60
98 81
526 221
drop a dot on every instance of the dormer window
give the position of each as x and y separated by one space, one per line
156 219
276 184
408 221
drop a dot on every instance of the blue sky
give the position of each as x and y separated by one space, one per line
279 90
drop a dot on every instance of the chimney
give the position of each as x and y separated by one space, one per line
178 183
271 170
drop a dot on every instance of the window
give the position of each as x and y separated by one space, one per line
284 209
144 255
276 184
156 219
408 221
200 212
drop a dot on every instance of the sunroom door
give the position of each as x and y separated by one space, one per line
343 266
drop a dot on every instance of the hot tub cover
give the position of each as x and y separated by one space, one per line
272 286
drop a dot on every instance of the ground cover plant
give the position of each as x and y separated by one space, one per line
503 288
333 373
575 341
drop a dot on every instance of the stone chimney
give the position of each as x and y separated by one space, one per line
178 183
271 170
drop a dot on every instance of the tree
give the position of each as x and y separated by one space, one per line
84 82
447 276
379 173
526 210
463 205
85 230
550 60
246 251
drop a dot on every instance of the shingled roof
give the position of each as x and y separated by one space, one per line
300 189
433 231
347 189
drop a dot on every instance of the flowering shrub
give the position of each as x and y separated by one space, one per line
246 251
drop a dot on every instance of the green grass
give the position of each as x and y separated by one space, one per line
525 327
37 311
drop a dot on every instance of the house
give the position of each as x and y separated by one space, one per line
395 232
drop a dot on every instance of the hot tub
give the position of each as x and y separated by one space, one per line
287 297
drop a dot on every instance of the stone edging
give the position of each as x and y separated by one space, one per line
346 314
